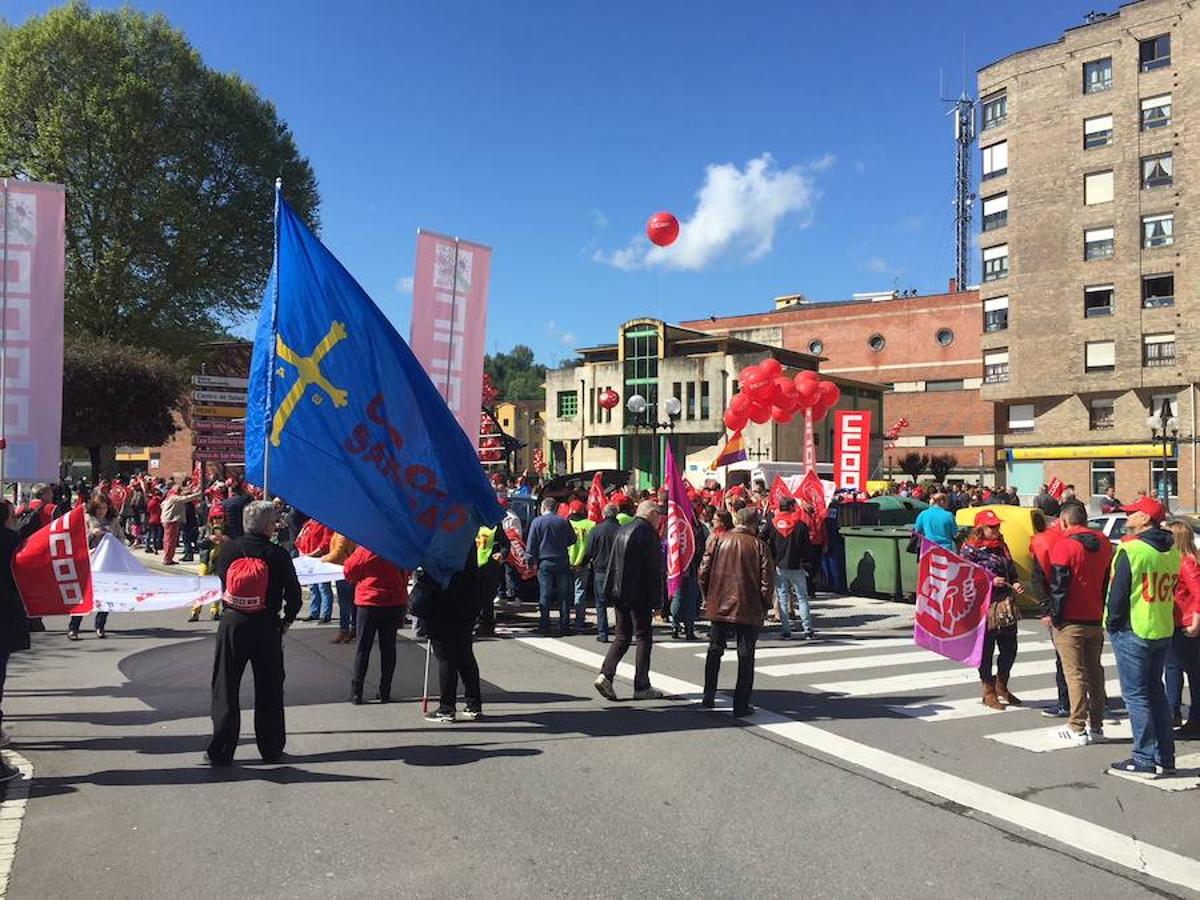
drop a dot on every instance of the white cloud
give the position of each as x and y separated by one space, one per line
566 338
823 164
599 219
404 284
877 264
737 211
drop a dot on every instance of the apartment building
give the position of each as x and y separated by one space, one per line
1089 148
924 350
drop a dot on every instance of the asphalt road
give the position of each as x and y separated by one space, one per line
555 792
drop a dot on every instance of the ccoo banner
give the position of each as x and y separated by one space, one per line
32 262
449 321
851 448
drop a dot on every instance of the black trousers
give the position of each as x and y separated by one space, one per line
383 621
631 624
4 654
456 658
490 577
257 640
747 638
1006 643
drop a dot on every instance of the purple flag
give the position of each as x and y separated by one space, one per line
952 602
681 531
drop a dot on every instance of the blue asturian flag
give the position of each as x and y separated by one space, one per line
347 424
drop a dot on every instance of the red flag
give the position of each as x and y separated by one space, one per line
53 571
681 532
198 475
779 490
953 596
1055 488
595 501
812 492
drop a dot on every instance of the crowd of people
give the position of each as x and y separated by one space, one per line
757 555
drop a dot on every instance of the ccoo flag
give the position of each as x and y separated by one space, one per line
343 423
681 530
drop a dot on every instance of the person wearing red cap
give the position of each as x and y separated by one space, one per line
577 557
1140 619
985 547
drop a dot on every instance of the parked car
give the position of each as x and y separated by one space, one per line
1112 525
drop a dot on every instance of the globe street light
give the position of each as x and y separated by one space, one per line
1163 427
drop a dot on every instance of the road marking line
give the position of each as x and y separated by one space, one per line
1187 779
1110 846
917 681
16 799
1045 739
813 648
971 707
916 656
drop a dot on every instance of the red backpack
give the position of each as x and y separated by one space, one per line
246 585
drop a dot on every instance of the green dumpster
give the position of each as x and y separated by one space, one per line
908 567
897 510
874 567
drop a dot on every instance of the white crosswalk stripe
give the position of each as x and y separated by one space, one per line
971 707
823 647
920 681
1046 740
916 656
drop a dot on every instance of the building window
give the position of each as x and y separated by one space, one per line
1104 475
1158 231
1020 418
1097 132
995 366
690 407
568 404
1155 52
1157 171
945 440
995 159
1098 188
948 384
1098 243
1158 290
995 262
1171 487
1098 300
1099 356
1097 75
995 110
876 342
816 347
704 401
1156 112
1100 415
995 314
995 211
1158 350
641 367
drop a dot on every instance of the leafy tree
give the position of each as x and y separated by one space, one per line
941 465
913 464
515 374
169 168
117 394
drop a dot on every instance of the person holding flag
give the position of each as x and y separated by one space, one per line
788 537
581 524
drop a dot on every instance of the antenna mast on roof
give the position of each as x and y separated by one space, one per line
964 136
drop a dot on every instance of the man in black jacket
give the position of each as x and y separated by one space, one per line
634 584
254 637
788 538
233 509
14 629
598 555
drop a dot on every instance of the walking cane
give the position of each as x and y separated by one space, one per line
425 691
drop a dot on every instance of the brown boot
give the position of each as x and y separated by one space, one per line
989 695
343 637
1003 694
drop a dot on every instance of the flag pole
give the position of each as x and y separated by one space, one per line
270 398
4 343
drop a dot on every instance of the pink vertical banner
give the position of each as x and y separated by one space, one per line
32 266
810 444
449 321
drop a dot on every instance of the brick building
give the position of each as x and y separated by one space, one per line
925 350
1087 146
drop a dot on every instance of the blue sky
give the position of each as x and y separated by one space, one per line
802 143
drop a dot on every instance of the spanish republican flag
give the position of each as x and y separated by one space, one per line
733 451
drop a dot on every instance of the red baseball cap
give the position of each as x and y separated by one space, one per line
987 517
1149 506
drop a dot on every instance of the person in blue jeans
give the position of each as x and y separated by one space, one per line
1139 616
550 540
787 536
321 605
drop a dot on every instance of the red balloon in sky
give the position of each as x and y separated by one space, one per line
662 229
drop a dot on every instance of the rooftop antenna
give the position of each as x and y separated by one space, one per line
963 111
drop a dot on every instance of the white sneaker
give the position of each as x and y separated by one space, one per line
1096 736
650 693
604 688
1071 738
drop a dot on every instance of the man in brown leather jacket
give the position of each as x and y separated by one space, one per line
737 576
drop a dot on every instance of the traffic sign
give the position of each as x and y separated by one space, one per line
220 412
215 441
218 426
218 455
220 381
219 397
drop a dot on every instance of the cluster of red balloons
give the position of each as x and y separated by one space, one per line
767 395
491 450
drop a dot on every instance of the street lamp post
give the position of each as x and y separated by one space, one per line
645 417
1164 427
